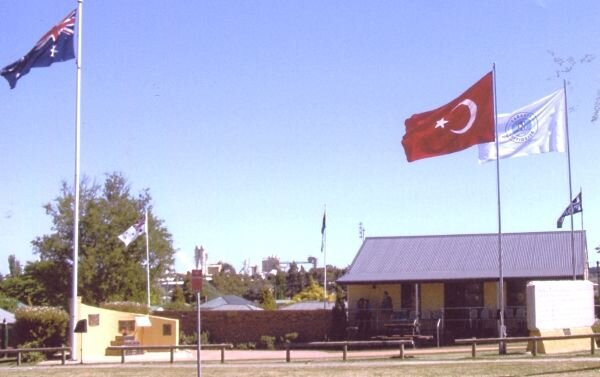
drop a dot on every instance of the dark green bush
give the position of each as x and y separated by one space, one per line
40 326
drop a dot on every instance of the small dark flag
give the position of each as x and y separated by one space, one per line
576 206
55 46
323 231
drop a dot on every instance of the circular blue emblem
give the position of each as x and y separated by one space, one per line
521 127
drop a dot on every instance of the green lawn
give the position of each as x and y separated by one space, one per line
538 367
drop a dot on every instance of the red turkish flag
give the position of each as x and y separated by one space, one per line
466 121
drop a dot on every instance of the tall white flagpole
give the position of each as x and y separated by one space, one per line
502 329
74 303
147 261
570 184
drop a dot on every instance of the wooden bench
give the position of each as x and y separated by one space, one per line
348 343
19 351
171 349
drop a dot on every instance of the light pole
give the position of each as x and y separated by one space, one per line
597 276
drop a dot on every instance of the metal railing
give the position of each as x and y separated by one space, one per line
443 322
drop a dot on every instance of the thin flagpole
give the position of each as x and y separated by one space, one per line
582 229
502 330
74 303
147 261
325 257
570 182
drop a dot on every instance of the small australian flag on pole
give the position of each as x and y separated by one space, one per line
55 46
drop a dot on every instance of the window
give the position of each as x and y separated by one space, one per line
516 292
94 320
464 294
166 329
407 296
126 327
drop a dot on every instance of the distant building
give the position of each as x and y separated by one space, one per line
270 264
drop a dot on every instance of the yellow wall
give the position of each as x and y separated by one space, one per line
432 296
99 337
490 295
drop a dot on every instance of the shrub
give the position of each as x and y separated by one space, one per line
246 346
31 357
193 338
290 337
267 342
40 326
126 306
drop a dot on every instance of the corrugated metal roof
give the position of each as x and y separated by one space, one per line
7 316
309 305
230 302
466 256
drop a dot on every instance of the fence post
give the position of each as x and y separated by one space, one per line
223 355
592 345
172 350
19 358
122 355
401 351
534 351
345 352
287 353
473 348
63 356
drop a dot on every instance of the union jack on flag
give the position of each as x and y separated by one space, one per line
55 46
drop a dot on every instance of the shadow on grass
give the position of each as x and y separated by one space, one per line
564 371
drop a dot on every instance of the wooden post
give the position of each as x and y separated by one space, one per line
592 345
287 353
473 348
122 355
534 351
172 355
223 355
345 352
401 351
19 358
63 356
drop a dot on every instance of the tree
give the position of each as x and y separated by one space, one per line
267 300
107 270
313 292
14 267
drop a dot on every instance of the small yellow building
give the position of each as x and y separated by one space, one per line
107 327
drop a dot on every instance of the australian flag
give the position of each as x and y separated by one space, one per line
576 206
55 46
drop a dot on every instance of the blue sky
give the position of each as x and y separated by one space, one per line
245 118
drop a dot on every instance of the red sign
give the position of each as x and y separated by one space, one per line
197 281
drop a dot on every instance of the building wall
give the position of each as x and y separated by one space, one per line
248 326
100 335
432 296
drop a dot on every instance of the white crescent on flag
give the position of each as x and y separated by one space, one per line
473 115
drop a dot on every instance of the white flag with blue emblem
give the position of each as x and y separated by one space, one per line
536 128
133 232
